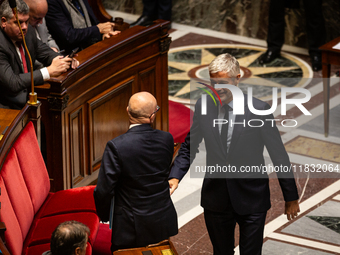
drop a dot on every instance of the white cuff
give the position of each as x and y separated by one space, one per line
45 73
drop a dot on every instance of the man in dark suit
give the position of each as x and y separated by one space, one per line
230 197
135 169
73 24
15 77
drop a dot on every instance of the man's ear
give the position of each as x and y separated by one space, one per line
3 22
77 251
237 79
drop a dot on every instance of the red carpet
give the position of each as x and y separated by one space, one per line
180 121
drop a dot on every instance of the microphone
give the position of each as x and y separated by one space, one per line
33 98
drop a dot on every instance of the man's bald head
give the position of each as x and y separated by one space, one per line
38 10
141 106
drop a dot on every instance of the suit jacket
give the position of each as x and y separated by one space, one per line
59 23
14 83
247 192
45 35
135 169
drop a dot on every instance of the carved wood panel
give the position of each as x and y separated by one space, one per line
86 107
77 139
108 119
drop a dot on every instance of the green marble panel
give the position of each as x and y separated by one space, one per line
332 223
175 86
187 56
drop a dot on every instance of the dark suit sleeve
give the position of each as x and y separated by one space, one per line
273 142
44 53
60 26
12 82
107 179
189 147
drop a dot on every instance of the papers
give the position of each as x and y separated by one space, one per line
337 46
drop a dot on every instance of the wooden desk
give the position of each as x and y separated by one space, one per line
330 57
6 118
163 248
85 108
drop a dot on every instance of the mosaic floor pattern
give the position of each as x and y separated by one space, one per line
191 62
316 230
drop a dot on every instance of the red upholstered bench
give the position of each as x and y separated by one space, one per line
28 209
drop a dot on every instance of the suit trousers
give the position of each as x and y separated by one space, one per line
221 229
315 25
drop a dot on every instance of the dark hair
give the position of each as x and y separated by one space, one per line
68 236
6 11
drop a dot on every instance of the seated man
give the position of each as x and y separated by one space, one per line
135 169
69 238
73 24
38 10
14 63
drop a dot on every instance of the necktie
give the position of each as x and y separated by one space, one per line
224 131
23 58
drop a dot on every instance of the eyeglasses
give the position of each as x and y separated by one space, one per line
157 109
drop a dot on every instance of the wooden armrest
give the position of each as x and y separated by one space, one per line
3 248
164 242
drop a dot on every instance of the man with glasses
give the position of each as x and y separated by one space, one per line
134 170
235 196
37 13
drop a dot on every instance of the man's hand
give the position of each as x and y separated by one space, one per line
59 65
173 184
111 33
74 63
105 28
292 209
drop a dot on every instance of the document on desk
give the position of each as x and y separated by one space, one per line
336 46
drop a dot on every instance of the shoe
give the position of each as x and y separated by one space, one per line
268 56
316 63
142 21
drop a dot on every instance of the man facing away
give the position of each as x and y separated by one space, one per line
69 238
230 198
134 169
14 63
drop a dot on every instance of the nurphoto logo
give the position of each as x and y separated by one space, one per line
238 104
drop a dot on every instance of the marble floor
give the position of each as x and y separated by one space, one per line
317 228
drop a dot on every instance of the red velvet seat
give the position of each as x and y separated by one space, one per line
180 119
102 245
29 210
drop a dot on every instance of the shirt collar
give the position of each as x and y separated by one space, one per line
134 125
